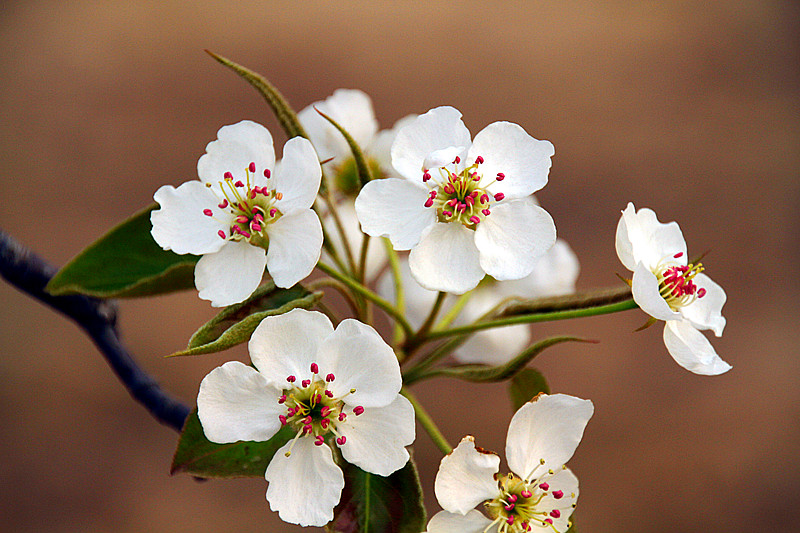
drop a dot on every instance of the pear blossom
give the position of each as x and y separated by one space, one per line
244 214
554 274
376 252
539 493
332 387
352 109
463 207
667 287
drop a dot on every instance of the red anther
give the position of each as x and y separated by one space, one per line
228 176
500 176
282 399
267 173
329 394
258 217
325 410
475 176
484 198
255 227
305 383
549 521
292 411
510 519
291 379
241 219
558 494
701 293
307 420
512 498
245 234
426 177
208 212
486 212
474 219
314 368
449 189
357 410
499 196
319 441
509 507
282 419
479 160
526 493
452 202
341 440
318 398
272 212
252 193
324 423
251 167
341 417
224 204
307 429
329 378
679 254
221 234
432 194
429 202
457 160
544 486
469 200
555 513
447 213
238 184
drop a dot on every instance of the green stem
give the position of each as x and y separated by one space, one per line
362 260
427 423
340 287
453 312
399 295
415 341
368 294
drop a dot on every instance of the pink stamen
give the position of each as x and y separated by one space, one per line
509 507
314 368
499 196
500 176
447 213
324 423
479 160
255 227
449 189
319 441
555 513
329 378
325 410
224 204
679 254
228 176
452 202
258 217
429 202
282 399
474 219
267 173
484 198
307 429
292 411
475 177
544 486
252 167
329 394
457 160
208 212
272 212
318 398
486 212
426 177
238 184
305 383
291 379
526 493
341 417
549 521
357 410
245 234
221 234
282 419
701 293
241 219
558 494
512 498
510 519
341 440
252 194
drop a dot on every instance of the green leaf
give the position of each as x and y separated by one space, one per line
376 504
525 385
197 455
484 373
126 262
283 111
236 323
364 170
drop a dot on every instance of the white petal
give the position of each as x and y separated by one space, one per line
446 259
236 147
565 481
376 439
472 522
646 295
286 345
306 486
381 147
376 252
297 176
360 359
295 242
443 157
513 237
352 110
236 403
437 129
642 238
507 148
706 312
691 349
466 477
549 428
396 209
230 275
554 274
181 226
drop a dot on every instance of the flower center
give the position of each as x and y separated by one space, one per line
675 282
522 505
312 409
459 195
251 206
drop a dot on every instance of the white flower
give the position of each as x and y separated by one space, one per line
376 252
331 386
352 110
242 205
464 208
554 274
668 288
539 492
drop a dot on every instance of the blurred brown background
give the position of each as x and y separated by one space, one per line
683 107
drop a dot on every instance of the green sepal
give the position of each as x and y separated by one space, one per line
364 171
650 321
525 386
200 457
124 263
377 504
485 373
283 111
236 323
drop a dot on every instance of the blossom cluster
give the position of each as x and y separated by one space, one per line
464 208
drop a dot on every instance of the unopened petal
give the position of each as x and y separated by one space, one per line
545 432
691 349
295 243
376 439
236 403
394 208
230 275
306 486
182 223
446 259
466 477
